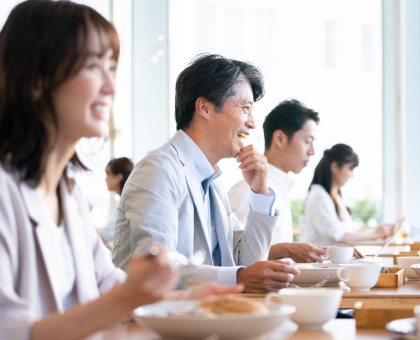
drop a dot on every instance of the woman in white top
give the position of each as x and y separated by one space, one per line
57 68
327 219
117 171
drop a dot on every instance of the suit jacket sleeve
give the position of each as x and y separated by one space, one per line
151 209
252 242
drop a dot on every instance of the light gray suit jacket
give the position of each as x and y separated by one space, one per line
162 202
29 289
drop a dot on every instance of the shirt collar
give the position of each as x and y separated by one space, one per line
280 177
205 172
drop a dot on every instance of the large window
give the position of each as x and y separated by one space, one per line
326 54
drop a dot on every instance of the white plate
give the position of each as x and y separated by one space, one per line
402 326
232 327
311 276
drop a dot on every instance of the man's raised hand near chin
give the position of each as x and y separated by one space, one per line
254 169
298 251
266 276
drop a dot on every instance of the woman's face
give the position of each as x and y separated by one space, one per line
84 100
112 181
341 175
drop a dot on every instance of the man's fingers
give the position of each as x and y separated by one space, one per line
321 250
278 266
314 257
252 159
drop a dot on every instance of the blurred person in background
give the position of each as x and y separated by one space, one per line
289 133
117 172
57 83
327 218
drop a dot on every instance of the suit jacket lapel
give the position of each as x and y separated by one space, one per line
223 229
42 222
200 223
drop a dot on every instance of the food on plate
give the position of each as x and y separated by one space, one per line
214 306
326 267
227 304
304 266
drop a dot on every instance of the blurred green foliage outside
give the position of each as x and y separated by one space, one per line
365 212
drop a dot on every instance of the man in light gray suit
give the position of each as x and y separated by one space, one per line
173 195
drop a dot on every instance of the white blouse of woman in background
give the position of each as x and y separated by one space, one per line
57 83
327 218
117 172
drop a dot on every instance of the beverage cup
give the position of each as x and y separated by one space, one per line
417 315
360 276
341 254
314 307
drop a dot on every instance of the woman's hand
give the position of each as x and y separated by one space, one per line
149 279
384 231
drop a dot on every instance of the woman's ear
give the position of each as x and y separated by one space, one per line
280 139
334 167
120 177
37 94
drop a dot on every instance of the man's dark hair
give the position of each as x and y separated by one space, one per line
212 77
289 116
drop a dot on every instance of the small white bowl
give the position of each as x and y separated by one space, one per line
314 307
406 262
416 269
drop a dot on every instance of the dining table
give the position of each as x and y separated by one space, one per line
336 329
408 293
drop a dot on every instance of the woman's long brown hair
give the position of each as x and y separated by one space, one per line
42 44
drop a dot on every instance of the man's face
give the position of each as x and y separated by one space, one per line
300 148
233 121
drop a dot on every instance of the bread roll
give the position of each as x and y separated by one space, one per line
227 304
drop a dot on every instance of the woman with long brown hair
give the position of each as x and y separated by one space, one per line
57 73
327 218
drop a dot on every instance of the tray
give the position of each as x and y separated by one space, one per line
394 278
370 316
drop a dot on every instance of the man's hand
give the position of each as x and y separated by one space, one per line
298 251
254 169
266 276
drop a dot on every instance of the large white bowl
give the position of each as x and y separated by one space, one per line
314 307
406 262
229 327
416 269
311 276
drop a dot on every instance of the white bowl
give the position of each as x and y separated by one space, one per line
229 327
406 262
360 276
311 276
416 269
314 307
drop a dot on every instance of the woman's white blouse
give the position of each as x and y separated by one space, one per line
31 280
322 225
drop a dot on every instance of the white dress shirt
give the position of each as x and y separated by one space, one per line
205 175
281 183
107 232
322 225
